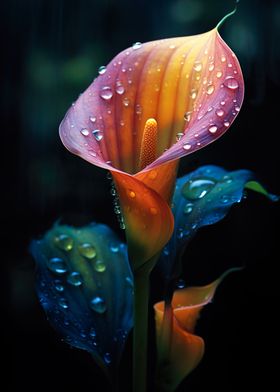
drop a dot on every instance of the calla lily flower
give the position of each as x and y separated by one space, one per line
85 285
179 349
203 197
153 104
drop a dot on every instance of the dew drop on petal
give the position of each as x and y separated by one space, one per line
119 88
210 89
181 284
187 146
102 70
98 305
153 211
222 103
138 109
106 93
114 248
152 174
197 66
219 74
126 102
84 132
97 135
87 250
132 194
223 58
57 265
187 116
193 94
220 112
231 83
179 136
64 242
136 45
92 119
213 129
75 279
211 67
226 124
237 108
99 266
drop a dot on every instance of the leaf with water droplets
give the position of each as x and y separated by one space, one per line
203 197
82 278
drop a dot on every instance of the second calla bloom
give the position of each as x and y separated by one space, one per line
153 104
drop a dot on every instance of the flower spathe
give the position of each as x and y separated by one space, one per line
179 349
153 104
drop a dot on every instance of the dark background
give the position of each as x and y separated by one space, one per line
52 50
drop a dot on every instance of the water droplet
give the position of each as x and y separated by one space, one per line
98 305
180 234
211 67
132 194
92 333
97 135
126 102
172 46
220 112
225 199
107 358
219 74
122 225
138 109
92 119
99 266
62 303
59 286
129 281
84 131
231 83
213 129
229 65
193 94
153 211
123 70
226 123
152 174
210 89
64 242
223 58
188 208
187 146
197 66
179 136
57 265
136 45
181 284
106 93
75 279
87 250
237 108
223 103
197 188
114 248
102 70
122 123
119 88
187 116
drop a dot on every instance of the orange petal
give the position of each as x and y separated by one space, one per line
148 218
185 350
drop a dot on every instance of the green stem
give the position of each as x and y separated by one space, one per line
227 16
140 335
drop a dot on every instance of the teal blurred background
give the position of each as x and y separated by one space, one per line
51 53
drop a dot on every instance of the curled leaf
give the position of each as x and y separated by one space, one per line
84 284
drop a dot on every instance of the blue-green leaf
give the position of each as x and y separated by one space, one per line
85 286
203 197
